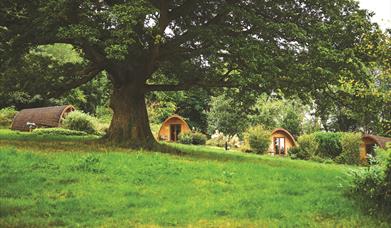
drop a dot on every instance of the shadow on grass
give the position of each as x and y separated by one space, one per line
80 144
92 144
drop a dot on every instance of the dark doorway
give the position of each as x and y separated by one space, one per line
175 130
370 148
279 146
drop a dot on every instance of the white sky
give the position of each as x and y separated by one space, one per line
382 10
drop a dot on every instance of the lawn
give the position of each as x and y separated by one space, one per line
75 181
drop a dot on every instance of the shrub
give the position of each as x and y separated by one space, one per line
329 144
80 121
308 146
387 185
234 141
101 128
199 138
366 183
219 139
293 152
257 139
58 131
195 138
350 143
6 116
382 155
104 114
373 186
185 138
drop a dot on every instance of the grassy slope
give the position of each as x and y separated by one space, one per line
70 182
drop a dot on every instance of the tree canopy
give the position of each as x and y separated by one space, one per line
303 47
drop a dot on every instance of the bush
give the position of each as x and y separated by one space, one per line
350 143
199 138
366 183
308 147
195 138
329 144
234 141
185 138
293 152
216 139
58 131
219 139
257 139
80 121
373 186
6 116
387 185
382 155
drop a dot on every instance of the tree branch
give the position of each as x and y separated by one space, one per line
86 75
181 10
155 49
187 86
174 43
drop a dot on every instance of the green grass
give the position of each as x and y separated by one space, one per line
74 183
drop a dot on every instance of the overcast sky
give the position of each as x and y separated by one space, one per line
382 10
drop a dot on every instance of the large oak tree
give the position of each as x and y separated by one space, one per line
297 46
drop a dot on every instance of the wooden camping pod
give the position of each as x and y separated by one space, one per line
41 117
368 143
281 141
172 127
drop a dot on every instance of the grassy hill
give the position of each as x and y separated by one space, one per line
74 181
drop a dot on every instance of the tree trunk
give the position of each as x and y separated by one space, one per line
130 125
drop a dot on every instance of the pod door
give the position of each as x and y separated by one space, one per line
279 146
175 130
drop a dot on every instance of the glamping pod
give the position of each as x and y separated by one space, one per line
369 142
281 141
41 117
172 127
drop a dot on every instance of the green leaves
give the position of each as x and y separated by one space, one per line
116 52
321 50
79 32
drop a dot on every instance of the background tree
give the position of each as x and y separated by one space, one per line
362 105
275 112
293 120
226 116
268 112
39 73
301 47
192 105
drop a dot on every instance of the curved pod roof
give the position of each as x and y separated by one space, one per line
379 140
42 117
285 132
169 119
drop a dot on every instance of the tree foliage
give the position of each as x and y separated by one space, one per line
362 105
192 105
275 112
226 116
304 47
37 80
